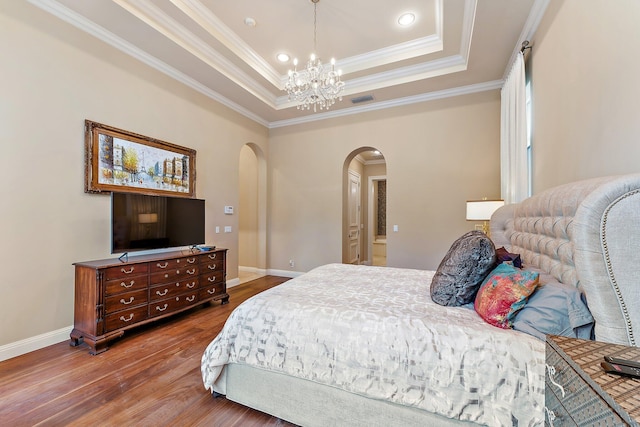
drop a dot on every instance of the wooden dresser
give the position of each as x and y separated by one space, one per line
579 393
112 296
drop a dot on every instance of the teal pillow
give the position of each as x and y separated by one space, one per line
503 293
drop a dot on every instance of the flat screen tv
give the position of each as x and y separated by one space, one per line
143 222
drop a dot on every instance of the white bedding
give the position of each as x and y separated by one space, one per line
375 331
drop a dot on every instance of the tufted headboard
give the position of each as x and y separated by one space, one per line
586 234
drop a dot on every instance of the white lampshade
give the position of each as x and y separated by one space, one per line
481 210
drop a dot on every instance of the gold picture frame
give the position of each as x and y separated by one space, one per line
123 161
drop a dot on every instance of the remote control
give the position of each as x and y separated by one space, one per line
624 362
626 371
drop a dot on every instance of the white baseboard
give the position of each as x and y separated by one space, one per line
28 345
284 273
233 282
252 270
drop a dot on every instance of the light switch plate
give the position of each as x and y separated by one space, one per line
228 210
227 229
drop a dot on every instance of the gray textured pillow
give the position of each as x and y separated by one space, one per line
463 269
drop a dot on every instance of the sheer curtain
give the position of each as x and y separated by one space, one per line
513 135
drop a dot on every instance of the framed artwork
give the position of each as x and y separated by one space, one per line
118 160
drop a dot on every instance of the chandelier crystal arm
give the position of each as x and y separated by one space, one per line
315 85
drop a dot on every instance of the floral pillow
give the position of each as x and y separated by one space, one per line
504 291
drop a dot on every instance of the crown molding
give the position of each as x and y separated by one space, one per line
155 18
197 12
425 97
394 77
80 22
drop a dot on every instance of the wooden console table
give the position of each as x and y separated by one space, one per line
112 296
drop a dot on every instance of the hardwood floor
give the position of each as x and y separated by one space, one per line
149 377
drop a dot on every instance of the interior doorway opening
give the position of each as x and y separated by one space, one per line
252 212
377 236
364 207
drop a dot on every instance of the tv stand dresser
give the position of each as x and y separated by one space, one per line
112 296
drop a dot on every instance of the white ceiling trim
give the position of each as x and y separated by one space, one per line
200 14
158 20
124 46
391 54
529 29
428 69
395 77
430 96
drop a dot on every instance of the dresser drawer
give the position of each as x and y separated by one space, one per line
173 274
125 318
211 256
211 278
172 264
211 291
210 266
127 300
125 284
123 271
172 289
158 308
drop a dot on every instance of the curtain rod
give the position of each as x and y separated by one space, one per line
525 46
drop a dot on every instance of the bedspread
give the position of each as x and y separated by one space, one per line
375 331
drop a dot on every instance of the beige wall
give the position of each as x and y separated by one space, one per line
438 155
248 209
586 94
53 78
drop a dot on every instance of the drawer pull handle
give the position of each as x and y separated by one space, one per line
191 285
212 267
162 308
122 301
163 293
550 415
124 285
211 279
191 260
212 256
165 265
191 298
191 271
211 291
127 271
552 372
127 319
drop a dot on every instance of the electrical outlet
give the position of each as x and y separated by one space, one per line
291 263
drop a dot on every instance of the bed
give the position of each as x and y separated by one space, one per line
359 345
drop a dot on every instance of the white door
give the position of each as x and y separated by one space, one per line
353 234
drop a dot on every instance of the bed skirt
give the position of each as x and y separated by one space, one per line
286 397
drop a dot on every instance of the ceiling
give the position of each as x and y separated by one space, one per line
454 46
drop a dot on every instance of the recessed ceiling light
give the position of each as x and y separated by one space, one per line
249 22
283 57
406 19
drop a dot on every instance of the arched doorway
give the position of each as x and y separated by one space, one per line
252 212
364 207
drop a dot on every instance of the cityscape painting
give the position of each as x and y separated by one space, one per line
122 161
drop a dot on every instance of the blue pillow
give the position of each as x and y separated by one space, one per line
555 309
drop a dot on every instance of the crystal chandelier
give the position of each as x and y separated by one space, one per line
315 85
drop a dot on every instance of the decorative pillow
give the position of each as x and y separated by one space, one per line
555 309
504 255
462 269
503 293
